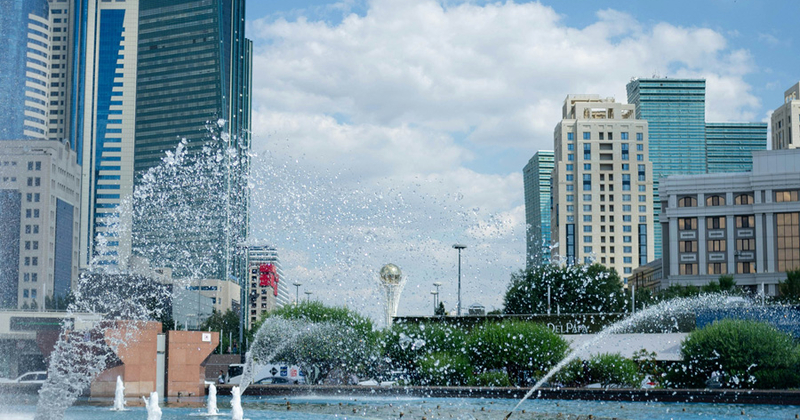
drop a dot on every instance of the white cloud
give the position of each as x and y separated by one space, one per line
400 101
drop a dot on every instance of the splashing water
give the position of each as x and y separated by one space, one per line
659 318
236 404
211 403
119 395
153 410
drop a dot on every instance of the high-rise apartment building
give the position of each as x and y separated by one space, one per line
730 146
194 70
24 69
536 178
675 112
39 210
786 121
268 297
602 185
107 118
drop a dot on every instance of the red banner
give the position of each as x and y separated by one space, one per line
268 277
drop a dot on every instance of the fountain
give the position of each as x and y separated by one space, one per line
236 404
211 404
153 410
119 395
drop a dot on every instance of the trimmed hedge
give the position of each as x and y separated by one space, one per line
743 354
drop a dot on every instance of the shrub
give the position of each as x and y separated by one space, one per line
606 369
491 378
444 369
745 354
405 344
523 349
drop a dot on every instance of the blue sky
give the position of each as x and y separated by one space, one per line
429 110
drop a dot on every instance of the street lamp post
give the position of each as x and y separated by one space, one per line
435 295
437 284
459 247
308 295
297 285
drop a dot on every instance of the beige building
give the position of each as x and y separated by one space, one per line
786 121
602 185
266 298
39 222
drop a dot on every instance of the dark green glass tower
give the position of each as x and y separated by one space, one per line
194 83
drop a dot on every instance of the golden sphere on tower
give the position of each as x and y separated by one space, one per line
391 274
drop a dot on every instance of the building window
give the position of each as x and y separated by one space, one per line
587 151
587 228
601 136
746 244
639 136
570 147
587 239
785 196
587 166
715 200
639 147
788 234
570 157
570 208
687 246
570 177
743 199
623 135
718 268
745 267
687 202
687 223
587 135
716 245
587 217
745 221
717 222
688 269
570 187
627 249
625 155
587 250
570 167
570 136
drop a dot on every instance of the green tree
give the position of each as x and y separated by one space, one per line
224 323
440 311
790 289
406 344
745 354
574 288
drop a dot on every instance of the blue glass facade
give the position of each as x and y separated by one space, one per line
536 178
730 146
62 273
17 29
675 112
194 67
10 206
107 141
78 76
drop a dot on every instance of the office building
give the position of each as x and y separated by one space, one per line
744 224
602 185
675 112
265 298
786 121
194 69
536 178
107 126
24 69
39 225
730 146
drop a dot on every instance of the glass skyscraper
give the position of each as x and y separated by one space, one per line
675 112
730 146
194 83
104 111
24 68
536 178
